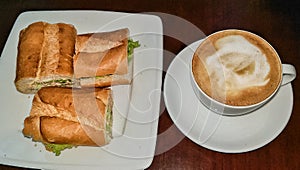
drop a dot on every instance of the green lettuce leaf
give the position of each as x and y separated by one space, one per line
131 46
57 148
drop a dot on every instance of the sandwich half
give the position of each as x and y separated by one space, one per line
101 59
54 55
62 118
45 56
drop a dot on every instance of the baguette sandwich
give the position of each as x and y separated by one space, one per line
45 56
54 55
61 118
101 59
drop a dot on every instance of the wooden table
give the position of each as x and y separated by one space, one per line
275 20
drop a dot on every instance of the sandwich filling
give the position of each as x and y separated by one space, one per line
57 148
67 82
54 82
131 46
109 120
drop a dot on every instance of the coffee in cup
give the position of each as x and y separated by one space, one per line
236 69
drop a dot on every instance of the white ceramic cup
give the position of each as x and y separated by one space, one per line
288 75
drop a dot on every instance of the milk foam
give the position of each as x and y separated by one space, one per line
243 64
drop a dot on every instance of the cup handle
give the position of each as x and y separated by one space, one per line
288 73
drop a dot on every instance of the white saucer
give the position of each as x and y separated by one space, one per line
221 133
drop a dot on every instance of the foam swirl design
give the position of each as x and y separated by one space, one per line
243 65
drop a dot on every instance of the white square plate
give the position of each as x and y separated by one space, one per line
135 148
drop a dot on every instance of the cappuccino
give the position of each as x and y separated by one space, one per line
236 68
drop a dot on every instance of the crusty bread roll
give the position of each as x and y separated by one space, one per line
101 58
45 56
70 116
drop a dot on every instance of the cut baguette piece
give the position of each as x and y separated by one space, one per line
71 116
45 53
102 55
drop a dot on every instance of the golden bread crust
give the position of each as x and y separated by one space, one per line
60 131
103 61
100 41
69 116
45 51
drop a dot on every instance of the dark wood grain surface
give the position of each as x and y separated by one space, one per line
276 20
